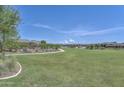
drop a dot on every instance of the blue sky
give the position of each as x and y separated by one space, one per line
72 24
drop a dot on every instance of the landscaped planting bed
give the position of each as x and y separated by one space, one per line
9 68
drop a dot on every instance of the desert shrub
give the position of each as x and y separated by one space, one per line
10 63
2 67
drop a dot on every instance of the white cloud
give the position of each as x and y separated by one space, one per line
69 41
92 33
66 41
80 31
43 26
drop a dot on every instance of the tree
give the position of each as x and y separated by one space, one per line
23 45
33 45
12 44
90 46
9 20
43 42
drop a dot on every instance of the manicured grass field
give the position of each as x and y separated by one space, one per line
74 67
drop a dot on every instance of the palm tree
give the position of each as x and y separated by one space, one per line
9 19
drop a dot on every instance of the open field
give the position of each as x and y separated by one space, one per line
74 67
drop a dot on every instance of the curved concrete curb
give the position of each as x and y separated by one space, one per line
8 77
60 50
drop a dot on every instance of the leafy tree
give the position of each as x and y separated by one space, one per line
33 45
23 45
9 20
11 44
43 42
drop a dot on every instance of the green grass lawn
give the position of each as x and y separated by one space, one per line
74 67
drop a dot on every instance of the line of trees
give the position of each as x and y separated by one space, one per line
104 46
96 46
15 45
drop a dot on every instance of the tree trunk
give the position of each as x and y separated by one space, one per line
2 46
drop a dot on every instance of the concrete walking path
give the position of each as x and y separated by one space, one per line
60 50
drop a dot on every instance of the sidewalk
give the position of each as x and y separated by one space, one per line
60 50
